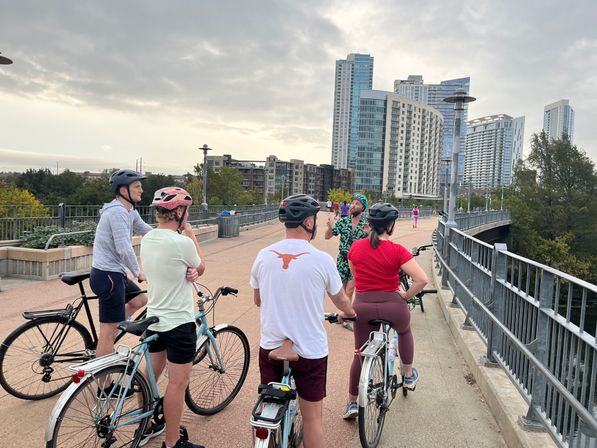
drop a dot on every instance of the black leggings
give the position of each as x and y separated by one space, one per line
380 305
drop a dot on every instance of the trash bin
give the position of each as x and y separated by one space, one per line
228 226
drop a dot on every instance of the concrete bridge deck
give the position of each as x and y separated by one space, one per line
447 409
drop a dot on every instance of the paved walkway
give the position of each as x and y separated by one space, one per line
447 409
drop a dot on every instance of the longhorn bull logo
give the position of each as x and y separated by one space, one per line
287 258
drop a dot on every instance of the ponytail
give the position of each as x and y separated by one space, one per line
374 237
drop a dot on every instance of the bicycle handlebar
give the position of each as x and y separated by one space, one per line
332 318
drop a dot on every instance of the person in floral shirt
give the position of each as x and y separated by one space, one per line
350 228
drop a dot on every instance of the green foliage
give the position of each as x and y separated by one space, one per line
153 183
339 195
25 205
553 202
40 235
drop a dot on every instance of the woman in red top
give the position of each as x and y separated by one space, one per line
375 264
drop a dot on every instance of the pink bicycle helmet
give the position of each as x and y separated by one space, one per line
171 197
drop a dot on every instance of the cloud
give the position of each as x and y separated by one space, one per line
263 71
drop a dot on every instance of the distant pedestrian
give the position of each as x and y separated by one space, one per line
415 216
329 206
344 208
336 208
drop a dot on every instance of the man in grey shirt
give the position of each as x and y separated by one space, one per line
113 257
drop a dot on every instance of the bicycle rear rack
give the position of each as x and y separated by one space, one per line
377 341
64 312
272 404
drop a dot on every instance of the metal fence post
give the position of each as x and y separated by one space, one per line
531 421
446 254
499 267
61 214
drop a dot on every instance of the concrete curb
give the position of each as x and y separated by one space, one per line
502 397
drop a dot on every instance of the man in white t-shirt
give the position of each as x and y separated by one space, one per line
166 254
290 279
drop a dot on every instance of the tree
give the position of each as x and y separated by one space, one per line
554 207
339 195
226 185
17 203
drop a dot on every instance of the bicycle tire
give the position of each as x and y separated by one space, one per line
296 432
209 390
372 415
24 350
85 408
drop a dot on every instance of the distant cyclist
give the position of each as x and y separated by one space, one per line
167 253
376 263
290 278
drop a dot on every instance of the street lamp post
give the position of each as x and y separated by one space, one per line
447 161
5 61
468 204
459 99
204 148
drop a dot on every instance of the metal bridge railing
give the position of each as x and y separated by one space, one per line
537 326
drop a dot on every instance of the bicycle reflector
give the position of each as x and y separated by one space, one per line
77 376
261 433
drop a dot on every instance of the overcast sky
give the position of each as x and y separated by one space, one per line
99 84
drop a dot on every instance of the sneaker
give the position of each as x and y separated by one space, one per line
181 443
351 410
153 431
410 382
103 393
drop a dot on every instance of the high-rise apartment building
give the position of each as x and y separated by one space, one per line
493 147
353 74
433 95
558 119
399 146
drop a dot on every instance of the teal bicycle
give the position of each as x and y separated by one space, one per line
89 414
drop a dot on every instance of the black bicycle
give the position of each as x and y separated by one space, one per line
405 280
34 358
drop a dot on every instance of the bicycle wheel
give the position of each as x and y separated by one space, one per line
372 415
34 358
210 388
296 432
85 418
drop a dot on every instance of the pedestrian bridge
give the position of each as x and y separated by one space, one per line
536 322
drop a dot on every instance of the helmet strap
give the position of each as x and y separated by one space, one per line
181 219
134 204
313 230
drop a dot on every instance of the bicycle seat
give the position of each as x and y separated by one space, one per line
72 278
380 322
284 353
138 327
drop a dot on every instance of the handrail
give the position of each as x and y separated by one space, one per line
586 416
78 232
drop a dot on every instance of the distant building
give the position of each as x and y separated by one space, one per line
399 146
558 119
353 74
493 147
253 171
433 95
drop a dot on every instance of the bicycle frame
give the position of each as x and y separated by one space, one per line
378 341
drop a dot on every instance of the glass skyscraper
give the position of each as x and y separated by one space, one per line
433 95
353 74
370 148
493 148
558 119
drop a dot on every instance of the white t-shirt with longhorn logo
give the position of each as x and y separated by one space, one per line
292 277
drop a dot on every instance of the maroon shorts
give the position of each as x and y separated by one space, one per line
310 375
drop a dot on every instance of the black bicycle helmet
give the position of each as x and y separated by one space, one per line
382 214
123 178
296 208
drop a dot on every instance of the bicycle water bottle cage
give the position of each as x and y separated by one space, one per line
376 342
66 313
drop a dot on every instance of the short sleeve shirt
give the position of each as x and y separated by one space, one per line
165 256
292 277
347 235
377 269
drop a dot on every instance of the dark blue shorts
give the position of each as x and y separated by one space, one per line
180 343
114 290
